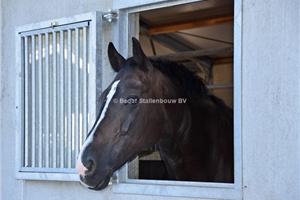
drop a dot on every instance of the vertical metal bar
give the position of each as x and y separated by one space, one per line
40 98
47 110
61 78
66 100
80 86
85 85
76 91
27 112
54 99
69 104
33 70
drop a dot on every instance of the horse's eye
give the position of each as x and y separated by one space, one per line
133 100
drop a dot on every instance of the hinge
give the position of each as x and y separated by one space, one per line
110 15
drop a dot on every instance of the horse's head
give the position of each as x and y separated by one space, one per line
124 126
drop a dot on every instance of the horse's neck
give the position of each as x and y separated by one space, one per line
170 145
196 143
192 149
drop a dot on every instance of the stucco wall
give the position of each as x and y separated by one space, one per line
270 100
0 99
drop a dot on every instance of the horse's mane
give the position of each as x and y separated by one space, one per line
182 77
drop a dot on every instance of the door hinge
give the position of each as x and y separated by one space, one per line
110 16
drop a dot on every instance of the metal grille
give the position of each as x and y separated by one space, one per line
55 63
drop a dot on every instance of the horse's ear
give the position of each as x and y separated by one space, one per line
138 54
115 59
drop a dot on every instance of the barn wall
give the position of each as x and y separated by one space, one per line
271 99
0 99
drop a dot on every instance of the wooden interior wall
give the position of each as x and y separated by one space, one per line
223 74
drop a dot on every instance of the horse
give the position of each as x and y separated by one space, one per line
194 136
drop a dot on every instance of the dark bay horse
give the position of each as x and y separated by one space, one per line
195 138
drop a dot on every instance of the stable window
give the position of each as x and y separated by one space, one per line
205 36
57 94
200 38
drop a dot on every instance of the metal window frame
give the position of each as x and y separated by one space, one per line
95 23
128 22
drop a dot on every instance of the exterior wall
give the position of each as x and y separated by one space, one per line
1 192
270 100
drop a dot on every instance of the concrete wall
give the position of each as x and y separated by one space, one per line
0 99
270 100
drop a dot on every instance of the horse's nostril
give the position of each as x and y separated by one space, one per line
90 165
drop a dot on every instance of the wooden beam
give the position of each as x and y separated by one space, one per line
216 61
169 28
187 55
225 60
219 86
174 42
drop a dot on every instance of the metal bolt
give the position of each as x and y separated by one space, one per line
110 16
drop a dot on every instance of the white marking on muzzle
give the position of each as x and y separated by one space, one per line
81 169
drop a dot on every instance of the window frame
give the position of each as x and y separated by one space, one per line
129 22
95 25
